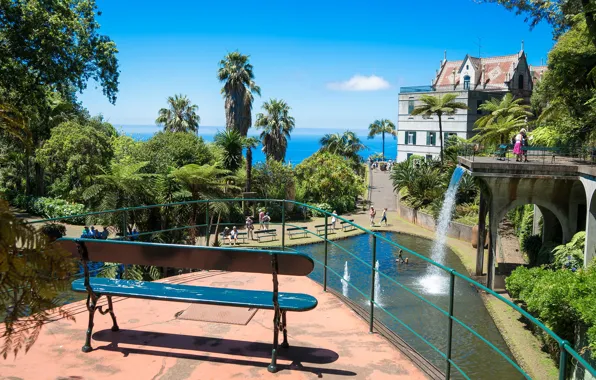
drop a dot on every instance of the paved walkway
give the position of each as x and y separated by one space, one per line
382 191
330 342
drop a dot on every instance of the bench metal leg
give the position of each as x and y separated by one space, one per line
285 343
91 306
273 366
111 309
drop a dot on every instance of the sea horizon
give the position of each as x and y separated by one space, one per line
302 144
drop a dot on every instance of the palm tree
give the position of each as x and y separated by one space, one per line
180 116
204 182
439 105
347 145
239 86
249 143
16 125
231 143
500 129
277 124
505 107
380 127
123 185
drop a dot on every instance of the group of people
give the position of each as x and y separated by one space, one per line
264 219
92 233
232 235
519 142
373 213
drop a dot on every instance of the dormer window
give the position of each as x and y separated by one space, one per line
466 82
520 82
467 67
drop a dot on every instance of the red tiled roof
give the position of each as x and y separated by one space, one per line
497 70
537 72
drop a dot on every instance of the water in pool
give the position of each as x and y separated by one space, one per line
472 355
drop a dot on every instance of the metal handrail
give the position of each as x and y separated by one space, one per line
565 347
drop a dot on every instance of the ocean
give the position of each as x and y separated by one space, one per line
302 144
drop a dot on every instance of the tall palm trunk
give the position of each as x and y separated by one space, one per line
217 228
441 136
383 134
248 169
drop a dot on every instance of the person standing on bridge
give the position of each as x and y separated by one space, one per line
517 147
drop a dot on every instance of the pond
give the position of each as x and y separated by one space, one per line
472 355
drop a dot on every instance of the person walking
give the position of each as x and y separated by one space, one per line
261 216
333 220
266 220
384 217
372 214
517 147
249 228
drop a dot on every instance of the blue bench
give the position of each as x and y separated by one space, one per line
187 256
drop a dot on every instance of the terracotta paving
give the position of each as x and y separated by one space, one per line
330 341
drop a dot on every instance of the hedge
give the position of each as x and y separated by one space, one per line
50 207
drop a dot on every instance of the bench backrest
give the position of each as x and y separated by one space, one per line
347 221
264 231
188 256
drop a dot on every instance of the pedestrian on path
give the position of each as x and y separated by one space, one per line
266 220
333 220
249 228
384 218
372 214
261 216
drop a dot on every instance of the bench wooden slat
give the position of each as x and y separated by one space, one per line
189 256
197 294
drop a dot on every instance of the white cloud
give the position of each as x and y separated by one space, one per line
360 83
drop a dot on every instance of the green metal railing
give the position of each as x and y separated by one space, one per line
567 353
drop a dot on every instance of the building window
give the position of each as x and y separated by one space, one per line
409 155
431 138
429 157
447 135
520 82
478 104
466 82
410 138
467 67
410 105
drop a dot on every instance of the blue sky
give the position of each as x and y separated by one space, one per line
314 55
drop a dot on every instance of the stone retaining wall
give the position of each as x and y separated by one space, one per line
456 230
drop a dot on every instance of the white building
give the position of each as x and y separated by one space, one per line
474 80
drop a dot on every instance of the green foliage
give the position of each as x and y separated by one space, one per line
165 151
277 125
382 127
328 178
236 72
420 182
272 179
505 116
180 116
439 105
531 245
75 153
323 206
231 143
570 255
54 43
559 298
50 207
33 273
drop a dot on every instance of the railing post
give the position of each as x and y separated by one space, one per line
207 224
125 224
450 323
283 225
326 248
372 284
563 360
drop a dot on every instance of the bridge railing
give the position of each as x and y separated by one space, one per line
534 154
454 323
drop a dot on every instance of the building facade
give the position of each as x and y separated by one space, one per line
474 81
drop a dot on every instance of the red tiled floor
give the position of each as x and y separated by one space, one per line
328 342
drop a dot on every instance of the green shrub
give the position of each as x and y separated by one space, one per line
560 299
323 206
50 207
531 245
570 255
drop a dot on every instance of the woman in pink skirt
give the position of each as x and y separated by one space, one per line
517 148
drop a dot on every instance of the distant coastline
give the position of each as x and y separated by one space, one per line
303 143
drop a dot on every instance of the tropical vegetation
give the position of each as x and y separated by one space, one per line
180 116
277 125
503 118
382 127
439 105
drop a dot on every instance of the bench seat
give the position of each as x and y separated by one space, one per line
197 294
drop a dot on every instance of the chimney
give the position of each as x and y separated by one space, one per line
522 45
445 56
